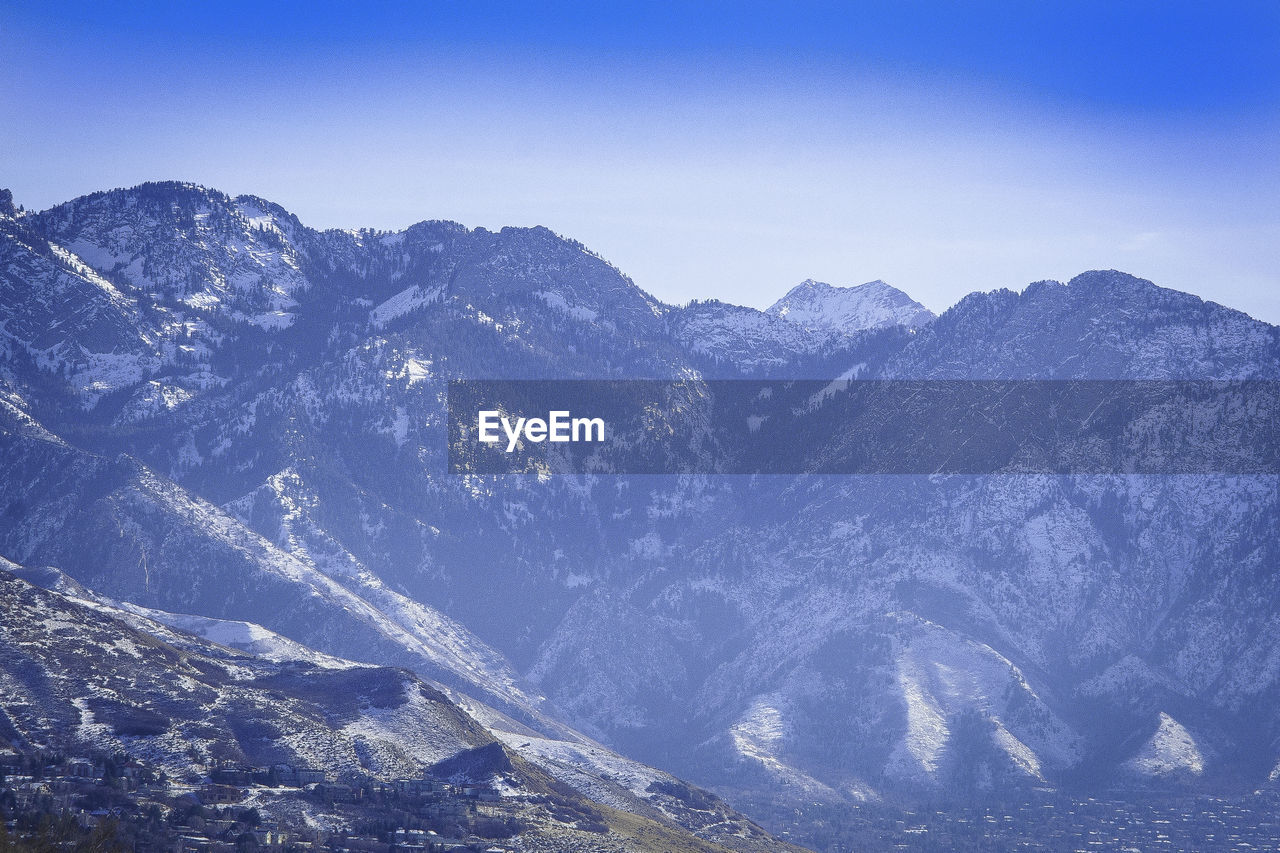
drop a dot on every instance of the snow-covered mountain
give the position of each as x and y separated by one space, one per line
179 702
816 305
212 411
84 674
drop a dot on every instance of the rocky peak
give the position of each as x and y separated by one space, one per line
818 305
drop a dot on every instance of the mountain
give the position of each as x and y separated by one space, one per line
88 676
141 538
214 412
818 306
73 671
805 333
1103 324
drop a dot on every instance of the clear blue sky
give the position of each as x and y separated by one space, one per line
708 149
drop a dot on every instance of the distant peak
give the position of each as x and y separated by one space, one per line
872 305
161 198
810 285
1107 278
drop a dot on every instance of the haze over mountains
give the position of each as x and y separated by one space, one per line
212 415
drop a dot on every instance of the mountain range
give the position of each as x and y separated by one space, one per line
220 427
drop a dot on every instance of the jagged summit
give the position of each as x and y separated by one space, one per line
818 305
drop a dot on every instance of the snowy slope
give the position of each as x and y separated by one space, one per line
115 687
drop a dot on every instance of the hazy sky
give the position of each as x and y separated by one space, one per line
707 149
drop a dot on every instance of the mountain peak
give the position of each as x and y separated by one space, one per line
154 195
1114 282
873 305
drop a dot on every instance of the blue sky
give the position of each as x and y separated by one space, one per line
708 149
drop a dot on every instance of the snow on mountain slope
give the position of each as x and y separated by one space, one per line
792 336
66 319
745 338
948 681
819 306
406 301
829 637
1012 596
144 540
245 637
437 637
187 247
124 689
1170 751
77 675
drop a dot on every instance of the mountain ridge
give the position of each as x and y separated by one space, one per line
872 305
844 639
